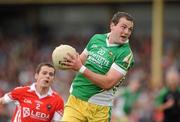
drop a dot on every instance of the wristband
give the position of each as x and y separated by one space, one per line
82 69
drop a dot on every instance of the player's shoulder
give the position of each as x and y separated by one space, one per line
57 96
98 38
126 49
20 88
99 35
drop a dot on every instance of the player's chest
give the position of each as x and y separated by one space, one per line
37 107
102 50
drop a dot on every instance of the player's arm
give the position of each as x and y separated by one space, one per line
84 56
59 108
2 101
5 99
57 117
106 81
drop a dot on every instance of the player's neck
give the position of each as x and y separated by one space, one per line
42 90
110 39
113 39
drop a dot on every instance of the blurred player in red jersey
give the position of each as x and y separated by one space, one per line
38 102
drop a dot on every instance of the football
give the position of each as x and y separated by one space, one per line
59 53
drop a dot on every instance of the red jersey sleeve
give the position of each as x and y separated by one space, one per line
16 94
59 107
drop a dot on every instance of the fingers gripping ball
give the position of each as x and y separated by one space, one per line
59 53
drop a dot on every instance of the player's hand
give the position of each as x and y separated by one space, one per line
72 62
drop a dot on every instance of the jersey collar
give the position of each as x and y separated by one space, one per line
33 88
111 45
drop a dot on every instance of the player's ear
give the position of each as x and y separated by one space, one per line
36 76
111 25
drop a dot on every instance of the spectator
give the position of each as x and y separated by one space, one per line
168 98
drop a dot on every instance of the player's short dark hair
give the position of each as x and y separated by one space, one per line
38 68
118 15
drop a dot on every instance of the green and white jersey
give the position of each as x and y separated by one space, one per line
101 57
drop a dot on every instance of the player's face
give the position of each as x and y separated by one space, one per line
121 31
45 76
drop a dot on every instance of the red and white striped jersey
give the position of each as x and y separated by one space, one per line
32 107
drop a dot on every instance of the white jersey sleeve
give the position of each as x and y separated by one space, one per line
57 116
7 98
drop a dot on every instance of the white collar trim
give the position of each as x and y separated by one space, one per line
33 88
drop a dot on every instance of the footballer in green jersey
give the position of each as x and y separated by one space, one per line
101 57
102 66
